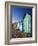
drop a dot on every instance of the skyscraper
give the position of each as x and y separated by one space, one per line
27 23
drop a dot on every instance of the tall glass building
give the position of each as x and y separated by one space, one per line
27 23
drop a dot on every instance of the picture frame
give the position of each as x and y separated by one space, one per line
8 23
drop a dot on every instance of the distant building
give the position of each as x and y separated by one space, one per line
27 23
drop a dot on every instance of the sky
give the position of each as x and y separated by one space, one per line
18 12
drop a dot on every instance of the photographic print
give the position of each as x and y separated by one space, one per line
20 22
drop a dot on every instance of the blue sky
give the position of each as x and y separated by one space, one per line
18 12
